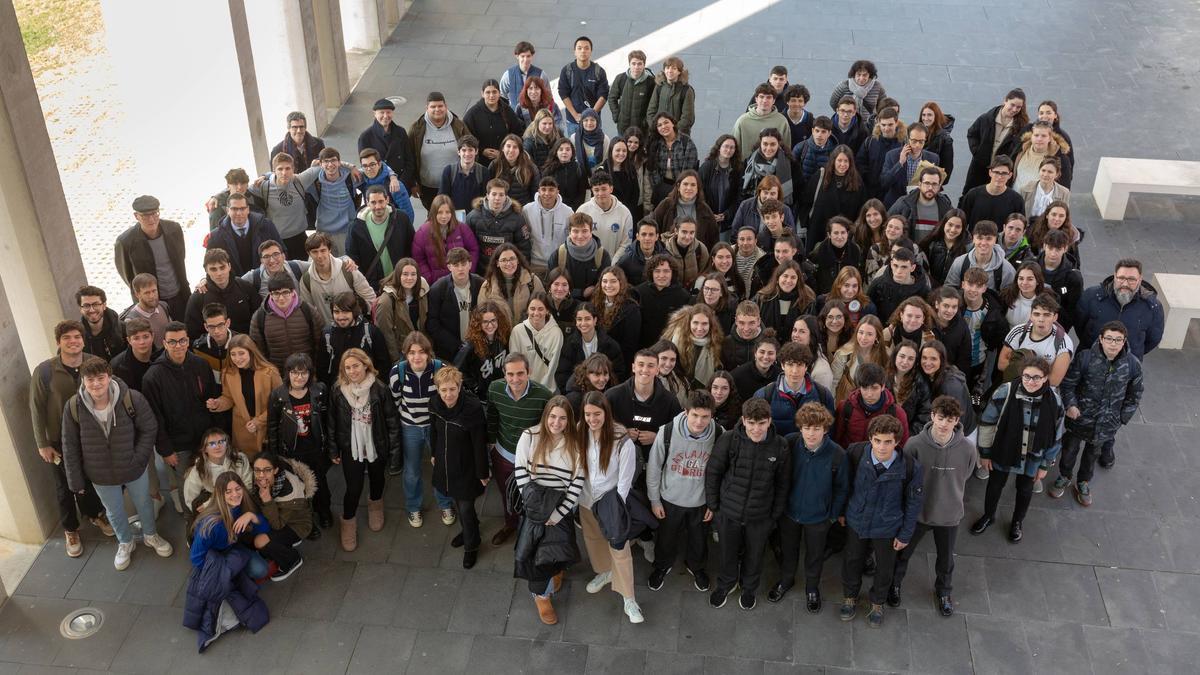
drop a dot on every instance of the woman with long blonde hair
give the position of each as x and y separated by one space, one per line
247 379
866 347
697 335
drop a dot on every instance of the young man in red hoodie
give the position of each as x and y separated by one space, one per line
868 401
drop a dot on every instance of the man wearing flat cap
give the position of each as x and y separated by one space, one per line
155 246
391 142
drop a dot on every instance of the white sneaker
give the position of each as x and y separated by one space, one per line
124 553
648 551
161 546
415 519
982 473
598 582
633 611
449 517
1038 487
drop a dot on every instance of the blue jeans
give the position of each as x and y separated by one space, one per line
258 566
415 439
113 499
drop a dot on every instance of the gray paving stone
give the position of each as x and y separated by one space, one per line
663 663
382 649
1115 650
938 644
603 659
1131 598
883 648
371 597
721 665
99 580
1180 594
1014 589
1072 593
820 639
53 573
156 581
320 586
326 647
1137 541
428 598
158 639
269 650
99 650
497 654
1057 647
440 652
1171 652
29 628
998 645
484 600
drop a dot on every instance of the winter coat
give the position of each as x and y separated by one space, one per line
539 544
940 258
747 214
480 372
710 174
747 480
784 404
239 297
393 147
956 337
572 354
441 324
1143 316
110 341
894 180
115 458
853 137
1041 459
282 426
1066 282
980 138
292 510
648 415
265 380
633 263
748 379
458 438
853 419
830 260
1029 194
177 393
870 103
493 228
50 387
278 337
887 294
629 99
491 127
883 506
772 317
707 230
360 334
817 204
426 256
946 471
1107 393
736 350
820 482
678 99
623 519
195 485
954 385
907 206
525 287
259 229
1059 148
656 306
416 139
465 189
133 254
869 162
691 262
942 145
222 581
397 237
385 425
393 319
626 328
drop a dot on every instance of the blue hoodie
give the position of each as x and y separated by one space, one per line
820 481
400 198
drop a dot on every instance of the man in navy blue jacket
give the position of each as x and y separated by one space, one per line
886 494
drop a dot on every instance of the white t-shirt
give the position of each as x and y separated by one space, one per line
1021 337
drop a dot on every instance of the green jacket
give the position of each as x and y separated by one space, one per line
49 389
628 100
678 99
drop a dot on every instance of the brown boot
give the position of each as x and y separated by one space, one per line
545 610
558 581
349 534
375 514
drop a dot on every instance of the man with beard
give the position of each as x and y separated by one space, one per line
105 332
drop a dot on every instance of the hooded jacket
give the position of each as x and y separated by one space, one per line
458 438
392 316
1000 272
397 238
292 509
853 418
1058 148
946 469
747 480
820 481
278 337
493 228
424 253
1066 282
678 99
110 454
1107 393
1143 316
547 228
614 227
177 392
110 341
416 136
629 99
676 474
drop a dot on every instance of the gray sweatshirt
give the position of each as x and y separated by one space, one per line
679 478
947 469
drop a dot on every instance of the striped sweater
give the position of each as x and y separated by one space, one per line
411 391
556 473
507 419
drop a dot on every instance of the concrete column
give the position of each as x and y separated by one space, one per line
331 50
40 272
187 73
364 24
287 65
393 9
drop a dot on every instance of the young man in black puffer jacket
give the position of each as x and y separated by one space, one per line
746 487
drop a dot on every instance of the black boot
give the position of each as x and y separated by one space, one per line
982 525
1014 532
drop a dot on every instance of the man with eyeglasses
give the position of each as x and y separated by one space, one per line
903 167
240 233
996 200
239 297
213 346
926 206
183 393
1101 392
301 145
272 262
285 324
236 181
154 246
105 334
1127 298
377 174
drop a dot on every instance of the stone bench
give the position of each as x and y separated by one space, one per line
1118 177
1180 298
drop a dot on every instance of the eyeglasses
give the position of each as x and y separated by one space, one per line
297 127
998 172
91 305
489 322
370 165
263 470
281 294
270 256
1032 378
927 184
218 443
177 342
1113 340
214 326
1128 280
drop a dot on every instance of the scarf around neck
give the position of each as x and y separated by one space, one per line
860 93
1009 448
362 444
585 253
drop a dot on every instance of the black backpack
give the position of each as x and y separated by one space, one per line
256 276
668 430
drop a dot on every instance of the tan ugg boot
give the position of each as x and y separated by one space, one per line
545 610
349 534
375 514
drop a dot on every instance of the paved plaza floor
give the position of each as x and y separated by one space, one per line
1110 589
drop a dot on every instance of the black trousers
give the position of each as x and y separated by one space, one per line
995 486
856 554
280 546
88 503
790 534
1091 451
354 472
742 548
944 537
293 247
469 520
427 194
690 522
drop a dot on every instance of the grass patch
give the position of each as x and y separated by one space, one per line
57 32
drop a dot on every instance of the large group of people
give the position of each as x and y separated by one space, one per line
794 343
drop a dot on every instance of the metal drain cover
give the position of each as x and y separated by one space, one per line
82 623
398 100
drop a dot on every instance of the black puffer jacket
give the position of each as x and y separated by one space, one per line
458 437
282 422
1107 393
360 334
113 459
177 393
111 339
385 426
956 337
748 481
540 545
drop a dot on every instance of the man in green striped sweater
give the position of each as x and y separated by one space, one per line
514 404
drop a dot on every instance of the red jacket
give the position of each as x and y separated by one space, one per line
852 419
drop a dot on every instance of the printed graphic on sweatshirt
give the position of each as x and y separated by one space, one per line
690 463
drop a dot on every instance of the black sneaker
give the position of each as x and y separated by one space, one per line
1014 531
893 598
875 618
777 592
718 597
314 534
457 541
326 520
812 602
699 579
982 524
945 605
747 601
283 574
658 578
469 559
849 609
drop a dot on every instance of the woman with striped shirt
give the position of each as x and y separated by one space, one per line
548 456
411 382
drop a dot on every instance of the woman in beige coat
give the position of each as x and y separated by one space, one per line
246 381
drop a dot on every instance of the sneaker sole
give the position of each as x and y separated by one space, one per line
280 576
845 617
596 589
745 608
724 599
121 568
696 584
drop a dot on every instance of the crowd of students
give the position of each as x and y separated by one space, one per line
797 344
